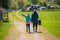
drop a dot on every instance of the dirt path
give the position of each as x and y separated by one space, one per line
18 32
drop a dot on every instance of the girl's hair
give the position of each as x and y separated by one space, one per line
28 14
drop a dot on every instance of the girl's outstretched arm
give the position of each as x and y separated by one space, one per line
23 15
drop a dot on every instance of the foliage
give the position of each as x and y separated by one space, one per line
4 3
27 5
13 4
0 3
34 2
41 3
21 4
58 2
44 4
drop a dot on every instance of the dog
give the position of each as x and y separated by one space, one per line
39 22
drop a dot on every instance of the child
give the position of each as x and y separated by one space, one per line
27 22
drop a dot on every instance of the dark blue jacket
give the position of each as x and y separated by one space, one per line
34 18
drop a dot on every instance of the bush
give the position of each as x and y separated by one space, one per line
41 3
44 4
27 5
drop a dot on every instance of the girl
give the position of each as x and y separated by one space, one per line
27 22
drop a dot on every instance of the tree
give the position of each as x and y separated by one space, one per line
27 5
4 4
58 2
21 4
13 4
41 3
1 3
34 1
44 4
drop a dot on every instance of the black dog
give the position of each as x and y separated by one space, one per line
39 22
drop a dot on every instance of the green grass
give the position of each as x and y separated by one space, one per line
4 28
50 21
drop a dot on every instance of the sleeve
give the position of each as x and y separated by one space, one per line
32 18
23 15
37 15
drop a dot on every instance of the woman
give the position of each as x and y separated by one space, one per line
34 20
